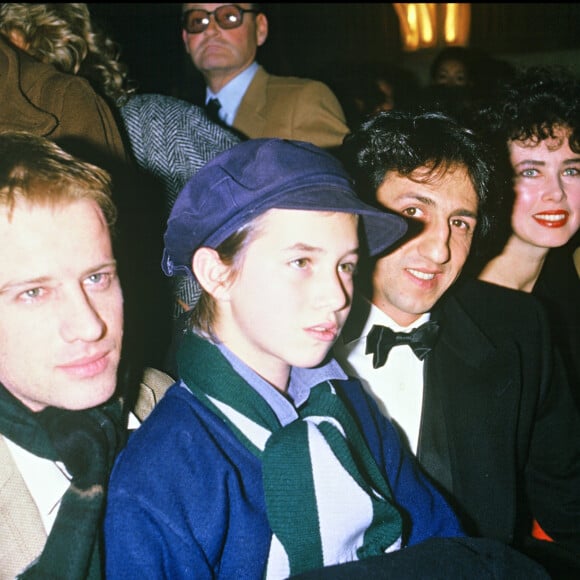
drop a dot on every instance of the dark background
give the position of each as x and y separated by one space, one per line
316 40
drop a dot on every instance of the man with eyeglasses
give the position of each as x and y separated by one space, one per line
222 40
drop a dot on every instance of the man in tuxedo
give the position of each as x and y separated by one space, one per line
478 391
222 41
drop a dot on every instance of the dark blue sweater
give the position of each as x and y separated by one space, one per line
186 497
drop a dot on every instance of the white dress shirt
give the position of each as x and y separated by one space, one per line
397 386
46 480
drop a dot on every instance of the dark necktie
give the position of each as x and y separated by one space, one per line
381 339
212 108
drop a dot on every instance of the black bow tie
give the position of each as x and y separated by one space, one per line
381 339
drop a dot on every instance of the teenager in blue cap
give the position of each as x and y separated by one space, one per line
264 460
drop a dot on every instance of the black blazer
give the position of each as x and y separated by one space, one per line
499 431
499 428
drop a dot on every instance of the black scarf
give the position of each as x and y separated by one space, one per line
86 442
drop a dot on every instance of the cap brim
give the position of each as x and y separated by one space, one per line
382 228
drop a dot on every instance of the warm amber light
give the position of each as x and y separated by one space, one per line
413 30
457 21
430 25
426 20
451 24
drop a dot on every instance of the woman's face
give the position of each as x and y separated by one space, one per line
546 211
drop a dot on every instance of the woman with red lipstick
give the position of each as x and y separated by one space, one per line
538 118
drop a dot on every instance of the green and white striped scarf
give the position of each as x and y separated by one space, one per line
327 501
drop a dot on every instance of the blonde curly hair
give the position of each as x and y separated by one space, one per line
64 36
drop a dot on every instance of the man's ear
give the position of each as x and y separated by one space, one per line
261 28
211 273
184 37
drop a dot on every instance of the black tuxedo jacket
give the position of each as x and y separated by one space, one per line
499 430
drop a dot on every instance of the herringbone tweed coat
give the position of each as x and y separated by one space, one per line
172 140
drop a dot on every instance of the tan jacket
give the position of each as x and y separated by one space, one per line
291 108
22 535
37 98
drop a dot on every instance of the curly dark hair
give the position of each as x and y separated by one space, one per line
538 101
531 107
402 142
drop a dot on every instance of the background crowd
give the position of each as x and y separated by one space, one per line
480 285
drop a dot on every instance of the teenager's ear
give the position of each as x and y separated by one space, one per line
211 273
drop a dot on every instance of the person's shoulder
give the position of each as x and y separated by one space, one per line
492 296
172 420
152 111
172 138
51 79
493 305
559 280
179 415
37 75
153 386
295 83
158 102
156 114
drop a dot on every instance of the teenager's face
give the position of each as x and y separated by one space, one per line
410 280
61 306
289 301
546 211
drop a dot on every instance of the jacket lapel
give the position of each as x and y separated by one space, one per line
250 117
470 384
22 534
456 360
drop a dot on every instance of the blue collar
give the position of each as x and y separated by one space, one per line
230 96
302 380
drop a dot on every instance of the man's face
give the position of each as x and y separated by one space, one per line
290 299
410 280
221 54
61 306
546 211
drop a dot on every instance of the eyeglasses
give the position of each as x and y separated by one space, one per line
227 17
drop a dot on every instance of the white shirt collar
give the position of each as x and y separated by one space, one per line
377 316
302 380
397 386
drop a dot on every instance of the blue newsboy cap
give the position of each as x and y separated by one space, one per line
255 176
